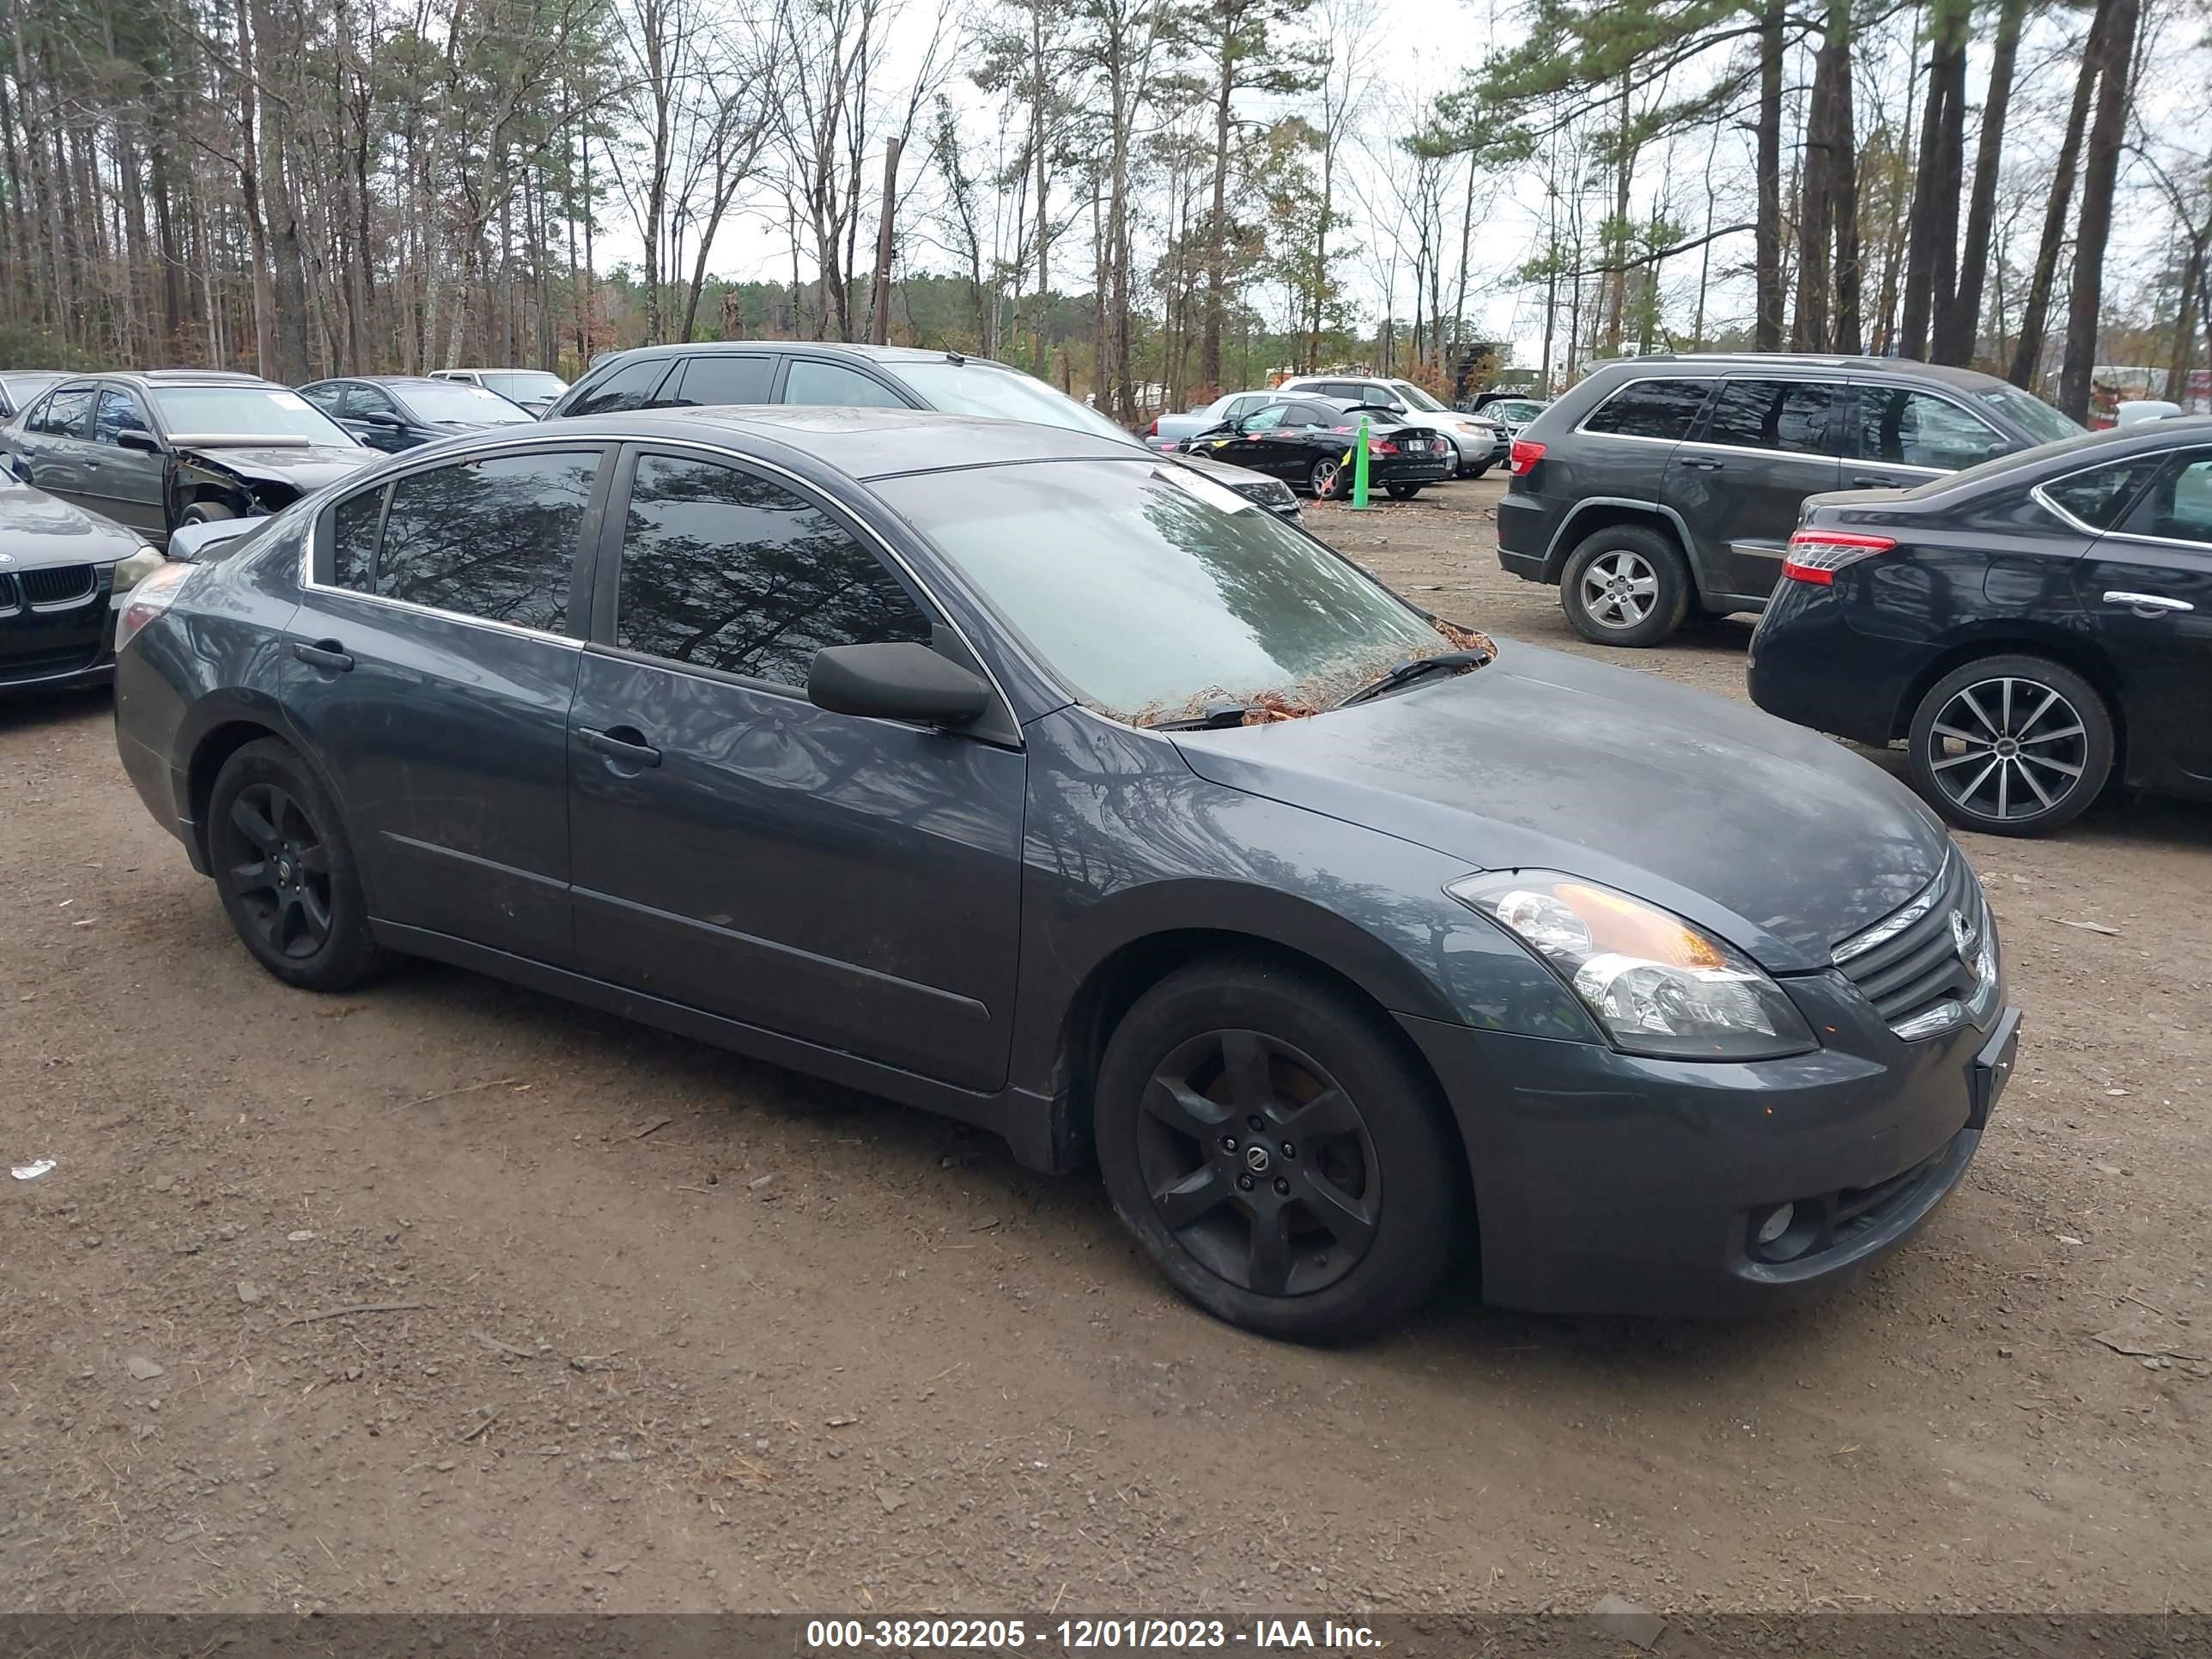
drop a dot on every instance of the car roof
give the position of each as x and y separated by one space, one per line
874 354
868 443
1904 368
389 379
152 377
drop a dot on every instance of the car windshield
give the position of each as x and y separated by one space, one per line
1154 593
455 400
1410 393
1005 393
246 411
2044 423
521 384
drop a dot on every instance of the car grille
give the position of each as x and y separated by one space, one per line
62 585
1931 964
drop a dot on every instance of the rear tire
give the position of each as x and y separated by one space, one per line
1402 492
286 872
1336 1217
2011 746
1624 585
1476 471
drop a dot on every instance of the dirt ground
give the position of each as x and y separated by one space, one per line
650 1326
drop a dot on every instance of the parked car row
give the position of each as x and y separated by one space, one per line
1477 442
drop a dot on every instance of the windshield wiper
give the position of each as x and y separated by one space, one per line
1452 660
1214 717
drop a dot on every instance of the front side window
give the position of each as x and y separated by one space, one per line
119 413
67 414
724 569
495 538
2099 497
811 380
1650 408
329 397
1151 598
726 380
632 386
1912 428
1266 419
1791 415
2177 507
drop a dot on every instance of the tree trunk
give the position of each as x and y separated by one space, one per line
1766 255
880 289
1216 220
2107 132
249 186
1963 332
1844 188
2027 352
1931 254
1816 204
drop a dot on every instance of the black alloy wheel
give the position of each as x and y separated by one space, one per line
279 870
2011 746
1259 1162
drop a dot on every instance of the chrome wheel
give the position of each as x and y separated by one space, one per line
1619 589
1323 479
2007 749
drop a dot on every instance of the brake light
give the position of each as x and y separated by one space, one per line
1381 446
1521 461
1153 430
1815 556
149 597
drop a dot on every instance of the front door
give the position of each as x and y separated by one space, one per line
2148 586
851 882
1259 443
128 484
56 445
430 665
1738 484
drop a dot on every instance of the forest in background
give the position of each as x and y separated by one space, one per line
1141 200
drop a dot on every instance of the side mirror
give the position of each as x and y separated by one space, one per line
895 680
384 418
132 438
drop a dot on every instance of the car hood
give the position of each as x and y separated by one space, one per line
1777 839
304 469
37 531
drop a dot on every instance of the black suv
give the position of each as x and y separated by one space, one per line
1663 484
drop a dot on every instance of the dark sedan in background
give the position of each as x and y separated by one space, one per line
167 448
61 569
1022 775
392 412
2029 628
1309 443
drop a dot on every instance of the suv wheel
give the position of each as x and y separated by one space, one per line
1624 585
1279 1156
2011 746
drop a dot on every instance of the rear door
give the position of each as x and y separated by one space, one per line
850 883
2148 586
430 666
1765 445
126 483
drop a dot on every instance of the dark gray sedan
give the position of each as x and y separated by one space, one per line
1019 774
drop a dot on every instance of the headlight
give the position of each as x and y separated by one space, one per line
130 572
1654 984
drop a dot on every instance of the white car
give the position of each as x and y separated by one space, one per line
1482 444
1171 431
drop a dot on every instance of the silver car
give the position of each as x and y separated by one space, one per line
1481 442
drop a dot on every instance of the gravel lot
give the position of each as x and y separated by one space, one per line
652 1327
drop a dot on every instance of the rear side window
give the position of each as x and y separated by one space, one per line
727 570
66 413
1913 428
1795 417
1651 409
634 385
725 380
811 380
495 539
2099 497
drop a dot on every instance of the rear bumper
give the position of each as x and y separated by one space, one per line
1809 666
1609 1183
1524 536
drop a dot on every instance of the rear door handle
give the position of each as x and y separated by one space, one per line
2149 604
324 653
1704 466
621 742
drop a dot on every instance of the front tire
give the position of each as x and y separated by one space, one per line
1286 1163
206 513
2011 746
1324 478
1624 585
286 872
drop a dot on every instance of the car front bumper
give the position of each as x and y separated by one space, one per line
1607 1183
57 651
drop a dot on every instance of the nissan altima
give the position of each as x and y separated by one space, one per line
1023 776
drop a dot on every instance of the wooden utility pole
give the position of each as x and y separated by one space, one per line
879 293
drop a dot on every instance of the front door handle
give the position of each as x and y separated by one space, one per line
324 653
625 743
1867 482
1700 465
2148 604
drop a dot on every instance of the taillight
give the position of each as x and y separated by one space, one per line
1153 430
149 597
1381 446
1523 458
1815 556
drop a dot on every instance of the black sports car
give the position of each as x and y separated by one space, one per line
398 411
62 572
1309 443
175 447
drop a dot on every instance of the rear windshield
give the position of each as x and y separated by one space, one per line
458 401
522 383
